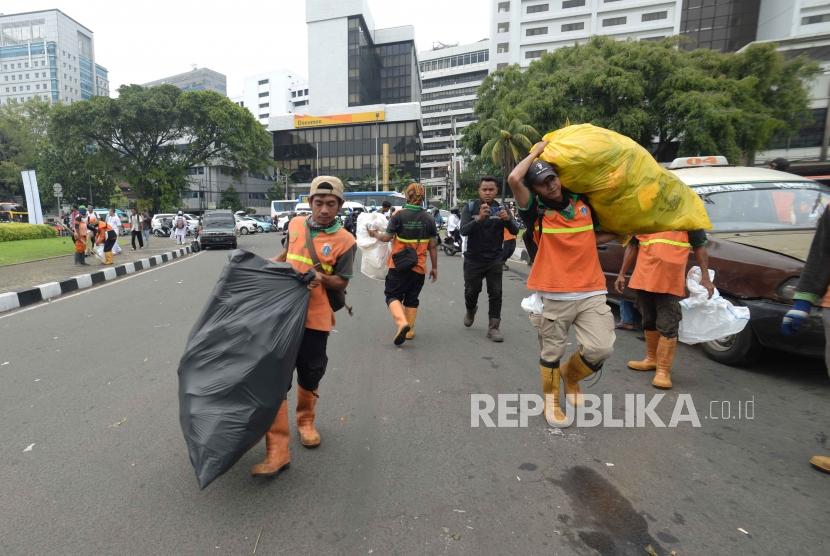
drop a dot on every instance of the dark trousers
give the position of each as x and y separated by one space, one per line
312 359
137 234
507 249
110 241
474 273
661 312
404 286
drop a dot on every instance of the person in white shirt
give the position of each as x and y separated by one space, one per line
136 226
454 224
180 228
114 221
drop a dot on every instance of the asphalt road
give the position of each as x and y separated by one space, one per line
93 459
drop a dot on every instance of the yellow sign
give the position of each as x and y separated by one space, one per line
338 119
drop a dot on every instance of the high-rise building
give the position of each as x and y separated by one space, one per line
199 79
793 18
273 92
363 99
48 55
450 77
725 25
521 30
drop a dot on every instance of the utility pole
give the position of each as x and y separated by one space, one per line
454 169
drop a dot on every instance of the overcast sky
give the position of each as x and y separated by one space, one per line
143 40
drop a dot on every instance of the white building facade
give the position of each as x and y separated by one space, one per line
47 55
273 92
784 19
522 30
450 77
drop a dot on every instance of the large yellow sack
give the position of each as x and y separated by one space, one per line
629 191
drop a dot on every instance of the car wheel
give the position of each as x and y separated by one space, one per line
738 349
243 231
260 230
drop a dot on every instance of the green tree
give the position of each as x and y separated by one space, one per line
661 96
507 137
22 136
230 200
151 136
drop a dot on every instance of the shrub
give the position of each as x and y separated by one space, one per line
16 231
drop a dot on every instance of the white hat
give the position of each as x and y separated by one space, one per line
180 213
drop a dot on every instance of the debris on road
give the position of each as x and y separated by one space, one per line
609 464
744 531
118 423
4 363
29 447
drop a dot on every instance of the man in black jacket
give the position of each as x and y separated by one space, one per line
814 290
483 223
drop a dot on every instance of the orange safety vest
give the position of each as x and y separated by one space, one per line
103 228
507 235
420 245
329 247
80 237
661 263
567 260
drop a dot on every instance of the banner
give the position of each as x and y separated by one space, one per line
338 119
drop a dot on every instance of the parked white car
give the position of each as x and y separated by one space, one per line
245 226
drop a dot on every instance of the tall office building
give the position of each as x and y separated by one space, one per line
450 77
363 93
274 92
725 25
199 79
793 18
521 30
48 55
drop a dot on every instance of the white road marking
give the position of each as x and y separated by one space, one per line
104 285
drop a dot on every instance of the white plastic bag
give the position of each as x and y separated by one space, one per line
533 304
374 253
116 249
99 250
706 319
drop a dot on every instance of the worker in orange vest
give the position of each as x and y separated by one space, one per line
79 234
106 235
332 261
660 280
567 275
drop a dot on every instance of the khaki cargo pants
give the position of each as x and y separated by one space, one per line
591 320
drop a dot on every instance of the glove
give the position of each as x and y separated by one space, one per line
795 317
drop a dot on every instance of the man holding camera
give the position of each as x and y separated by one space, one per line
483 222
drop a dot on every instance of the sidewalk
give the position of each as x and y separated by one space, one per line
28 275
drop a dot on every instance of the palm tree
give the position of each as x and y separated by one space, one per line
507 137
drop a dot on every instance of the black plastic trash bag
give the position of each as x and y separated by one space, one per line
238 361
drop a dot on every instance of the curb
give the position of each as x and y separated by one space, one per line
50 290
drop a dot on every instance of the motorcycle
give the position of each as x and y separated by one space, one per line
452 243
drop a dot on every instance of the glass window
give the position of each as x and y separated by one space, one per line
537 8
504 7
503 47
612 21
576 26
530 54
533 31
503 27
572 4
654 16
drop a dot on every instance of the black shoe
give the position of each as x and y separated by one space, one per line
469 318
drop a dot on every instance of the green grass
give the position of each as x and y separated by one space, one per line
24 250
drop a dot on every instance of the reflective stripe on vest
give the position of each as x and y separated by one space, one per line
328 269
567 260
661 263
402 240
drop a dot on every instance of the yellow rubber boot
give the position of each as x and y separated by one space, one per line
665 357
650 362
398 315
108 257
411 314
551 380
277 456
306 402
574 370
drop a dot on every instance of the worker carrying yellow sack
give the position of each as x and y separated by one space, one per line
628 189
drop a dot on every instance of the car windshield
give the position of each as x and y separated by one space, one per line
218 222
741 207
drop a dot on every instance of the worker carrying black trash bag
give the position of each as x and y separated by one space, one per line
239 360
